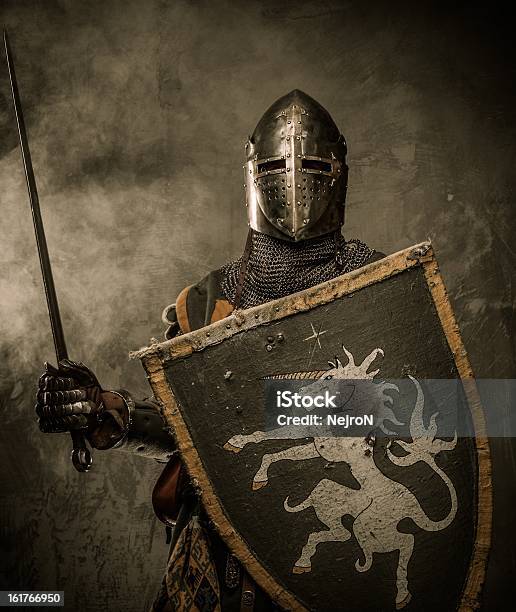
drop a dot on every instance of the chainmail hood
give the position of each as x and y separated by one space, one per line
277 268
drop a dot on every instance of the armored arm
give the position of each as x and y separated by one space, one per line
70 398
143 432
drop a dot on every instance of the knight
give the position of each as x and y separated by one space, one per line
296 180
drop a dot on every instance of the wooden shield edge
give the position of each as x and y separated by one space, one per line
477 569
156 355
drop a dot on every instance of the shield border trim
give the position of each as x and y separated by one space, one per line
154 357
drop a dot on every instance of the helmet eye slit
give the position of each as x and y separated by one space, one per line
269 166
316 165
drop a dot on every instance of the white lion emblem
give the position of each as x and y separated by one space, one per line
381 503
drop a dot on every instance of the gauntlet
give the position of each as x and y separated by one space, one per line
71 398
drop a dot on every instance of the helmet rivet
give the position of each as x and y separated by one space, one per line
288 154
288 185
298 185
305 221
298 137
299 203
280 221
289 122
288 169
288 137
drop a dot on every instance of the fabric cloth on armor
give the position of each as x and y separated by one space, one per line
190 583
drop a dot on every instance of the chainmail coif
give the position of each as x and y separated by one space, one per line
277 268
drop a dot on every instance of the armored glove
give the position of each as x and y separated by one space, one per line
70 398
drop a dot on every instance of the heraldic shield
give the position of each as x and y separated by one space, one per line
399 518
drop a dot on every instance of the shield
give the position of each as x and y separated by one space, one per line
353 523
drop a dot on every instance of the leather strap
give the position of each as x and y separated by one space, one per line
243 268
248 593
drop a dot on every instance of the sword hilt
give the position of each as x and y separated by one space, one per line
81 456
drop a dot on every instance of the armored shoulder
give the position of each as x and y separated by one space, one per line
197 306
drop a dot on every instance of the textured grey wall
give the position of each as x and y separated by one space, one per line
137 113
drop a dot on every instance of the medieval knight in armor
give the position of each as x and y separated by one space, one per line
296 182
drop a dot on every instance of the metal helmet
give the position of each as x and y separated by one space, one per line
296 174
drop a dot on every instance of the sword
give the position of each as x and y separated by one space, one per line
81 457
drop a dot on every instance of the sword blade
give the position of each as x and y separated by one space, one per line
44 260
81 457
